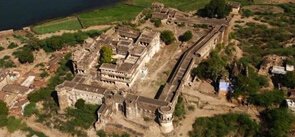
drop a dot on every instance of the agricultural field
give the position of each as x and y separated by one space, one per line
70 23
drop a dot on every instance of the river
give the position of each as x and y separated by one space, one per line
15 14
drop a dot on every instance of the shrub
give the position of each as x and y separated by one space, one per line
247 13
3 108
12 45
267 99
44 74
157 22
278 122
179 107
167 36
6 62
1 48
14 124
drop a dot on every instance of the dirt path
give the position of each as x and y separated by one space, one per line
209 105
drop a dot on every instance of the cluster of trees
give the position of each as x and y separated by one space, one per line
25 54
167 37
275 122
224 125
14 124
258 40
215 9
63 73
6 62
186 36
83 116
106 53
212 68
278 122
267 99
246 85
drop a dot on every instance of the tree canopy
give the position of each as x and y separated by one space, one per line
211 68
215 9
278 122
267 99
80 103
167 36
106 54
186 36
224 125
288 79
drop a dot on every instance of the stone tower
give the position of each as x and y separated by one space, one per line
165 118
130 108
62 98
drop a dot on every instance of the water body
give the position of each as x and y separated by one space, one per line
15 14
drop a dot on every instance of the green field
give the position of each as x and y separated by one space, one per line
184 5
119 12
123 11
70 23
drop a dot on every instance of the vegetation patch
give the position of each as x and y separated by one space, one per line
70 23
224 125
110 14
167 37
6 62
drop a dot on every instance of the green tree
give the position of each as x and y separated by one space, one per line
167 36
25 56
211 68
186 36
215 9
106 54
80 103
224 125
3 108
30 109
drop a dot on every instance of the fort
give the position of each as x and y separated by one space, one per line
132 49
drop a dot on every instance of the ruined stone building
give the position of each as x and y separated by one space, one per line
132 50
